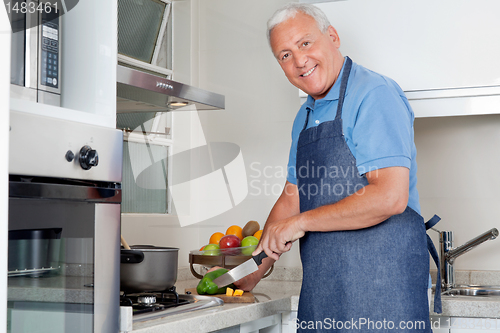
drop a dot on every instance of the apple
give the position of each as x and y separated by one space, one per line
249 244
211 250
247 251
229 241
249 241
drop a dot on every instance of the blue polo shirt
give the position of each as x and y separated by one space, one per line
377 121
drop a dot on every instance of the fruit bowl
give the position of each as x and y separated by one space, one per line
233 251
226 258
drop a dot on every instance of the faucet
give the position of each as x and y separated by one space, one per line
449 254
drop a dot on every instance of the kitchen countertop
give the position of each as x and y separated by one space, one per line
70 289
272 297
277 294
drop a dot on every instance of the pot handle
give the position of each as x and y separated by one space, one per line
131 256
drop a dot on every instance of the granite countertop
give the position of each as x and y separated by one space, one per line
69 289
280 294
469 307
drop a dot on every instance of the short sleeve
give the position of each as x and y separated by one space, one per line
291 176
292 161
298 124
382 133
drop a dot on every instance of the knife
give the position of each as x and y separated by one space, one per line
240 271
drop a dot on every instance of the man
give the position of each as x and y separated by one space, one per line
350 195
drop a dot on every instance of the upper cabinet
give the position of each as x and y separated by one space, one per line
86 75
444 54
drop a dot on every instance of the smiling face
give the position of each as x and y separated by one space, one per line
310 59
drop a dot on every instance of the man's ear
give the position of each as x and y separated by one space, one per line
334 36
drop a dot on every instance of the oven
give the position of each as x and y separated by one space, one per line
64 226
36 51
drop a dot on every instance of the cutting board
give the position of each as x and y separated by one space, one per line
247 297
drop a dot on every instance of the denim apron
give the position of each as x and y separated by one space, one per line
362 280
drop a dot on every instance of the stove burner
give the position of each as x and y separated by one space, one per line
146 300
155 301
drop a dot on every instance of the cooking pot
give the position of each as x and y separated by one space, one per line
146 268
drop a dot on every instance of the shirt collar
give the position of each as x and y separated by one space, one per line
332 95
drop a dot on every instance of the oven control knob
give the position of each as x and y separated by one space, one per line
88 158
69 156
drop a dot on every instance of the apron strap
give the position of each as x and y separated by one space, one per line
307 118
430 246
343 86
432 222
437 292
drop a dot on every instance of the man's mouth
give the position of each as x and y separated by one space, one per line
309 72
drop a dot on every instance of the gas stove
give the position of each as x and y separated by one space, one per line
139 307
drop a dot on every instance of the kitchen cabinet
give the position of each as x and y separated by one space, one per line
88 70
271 324
289 320
441 53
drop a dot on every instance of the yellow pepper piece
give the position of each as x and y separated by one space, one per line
238 292
229 291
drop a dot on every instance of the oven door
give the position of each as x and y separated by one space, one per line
63 255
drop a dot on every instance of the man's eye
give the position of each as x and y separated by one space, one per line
284 56
305 43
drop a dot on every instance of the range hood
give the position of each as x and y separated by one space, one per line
140 92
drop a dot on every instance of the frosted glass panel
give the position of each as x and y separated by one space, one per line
144 178
139 23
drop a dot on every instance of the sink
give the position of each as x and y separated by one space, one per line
481 291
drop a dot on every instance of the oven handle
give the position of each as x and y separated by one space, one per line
64 192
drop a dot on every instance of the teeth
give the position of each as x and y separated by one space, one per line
309 72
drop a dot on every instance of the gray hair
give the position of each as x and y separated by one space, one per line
290 10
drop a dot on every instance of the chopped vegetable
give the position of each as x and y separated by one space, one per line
229 291
238 292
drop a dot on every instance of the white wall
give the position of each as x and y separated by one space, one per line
458 179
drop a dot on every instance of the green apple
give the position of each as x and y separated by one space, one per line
249 244
211 250
249 241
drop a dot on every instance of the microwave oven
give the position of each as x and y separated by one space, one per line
36 53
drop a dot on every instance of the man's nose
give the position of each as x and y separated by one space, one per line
300 59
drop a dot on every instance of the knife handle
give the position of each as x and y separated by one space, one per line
258 258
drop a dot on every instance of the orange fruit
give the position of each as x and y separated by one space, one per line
258 234
235 230
201 249
215 238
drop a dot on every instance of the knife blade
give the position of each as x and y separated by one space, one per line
240 271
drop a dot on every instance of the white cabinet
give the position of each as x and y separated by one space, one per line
289 322
422 44
433 49
271 324
88 69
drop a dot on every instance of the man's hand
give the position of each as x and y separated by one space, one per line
278 236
